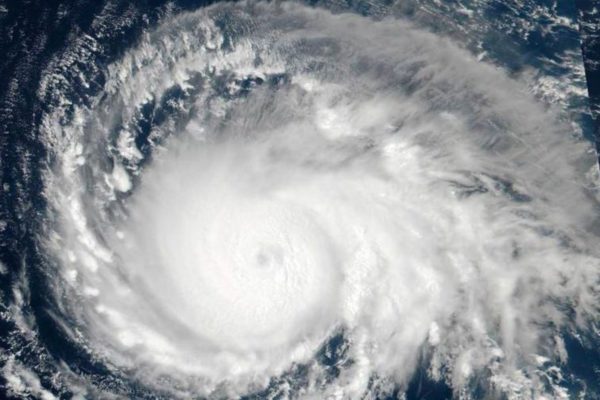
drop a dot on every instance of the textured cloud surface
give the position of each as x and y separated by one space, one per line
310 177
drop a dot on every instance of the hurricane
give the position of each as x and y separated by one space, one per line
282 200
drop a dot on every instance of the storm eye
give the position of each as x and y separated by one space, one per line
269 257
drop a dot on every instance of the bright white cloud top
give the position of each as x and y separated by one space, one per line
309 175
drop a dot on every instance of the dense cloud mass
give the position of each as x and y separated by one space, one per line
319 195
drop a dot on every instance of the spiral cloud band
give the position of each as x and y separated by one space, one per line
259 187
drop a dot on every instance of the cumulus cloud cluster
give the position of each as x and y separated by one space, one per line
308 174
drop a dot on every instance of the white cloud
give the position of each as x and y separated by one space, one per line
394 187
